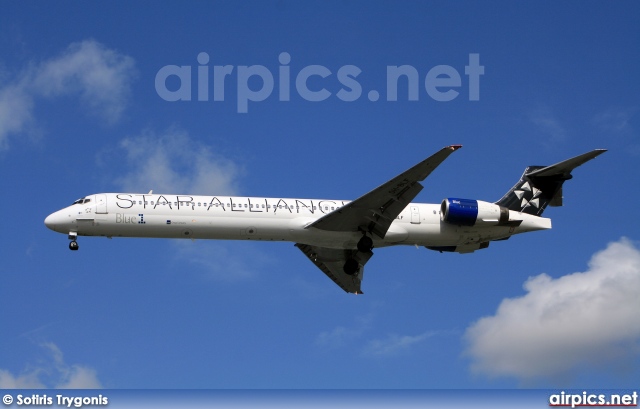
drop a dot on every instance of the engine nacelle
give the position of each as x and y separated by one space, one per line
467 212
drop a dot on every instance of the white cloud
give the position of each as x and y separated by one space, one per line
616 121
221 261
72 376
175 163
338 337
57 372
561 326
548 125
394 344
23 381
341 336
100 76
16 110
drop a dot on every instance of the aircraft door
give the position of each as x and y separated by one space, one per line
415 215
101 204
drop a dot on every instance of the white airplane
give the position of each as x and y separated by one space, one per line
336 235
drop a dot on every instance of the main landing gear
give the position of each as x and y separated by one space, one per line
74 244
365 244
351 265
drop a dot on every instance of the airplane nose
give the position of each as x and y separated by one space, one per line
50 221
55 221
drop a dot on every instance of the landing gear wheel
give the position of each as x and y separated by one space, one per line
365 244
350 267
73 245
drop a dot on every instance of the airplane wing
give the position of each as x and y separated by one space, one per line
375 211
330 261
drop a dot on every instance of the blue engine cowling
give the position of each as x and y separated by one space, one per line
463 212
468 212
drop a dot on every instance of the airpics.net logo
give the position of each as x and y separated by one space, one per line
256 83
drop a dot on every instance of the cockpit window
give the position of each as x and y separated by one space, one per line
81 201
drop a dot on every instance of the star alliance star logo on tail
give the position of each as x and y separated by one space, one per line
527 190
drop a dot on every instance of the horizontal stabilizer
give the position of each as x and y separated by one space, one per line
541 186
565 167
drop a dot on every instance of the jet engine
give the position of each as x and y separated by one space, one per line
468 212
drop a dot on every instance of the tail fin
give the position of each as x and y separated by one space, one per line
540 186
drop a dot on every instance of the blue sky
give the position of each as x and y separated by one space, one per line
80 113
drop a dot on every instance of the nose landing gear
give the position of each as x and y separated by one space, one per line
74 244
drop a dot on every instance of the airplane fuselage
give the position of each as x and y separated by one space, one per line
266 219
337 236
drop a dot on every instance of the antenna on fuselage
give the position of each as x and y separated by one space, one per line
150 192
